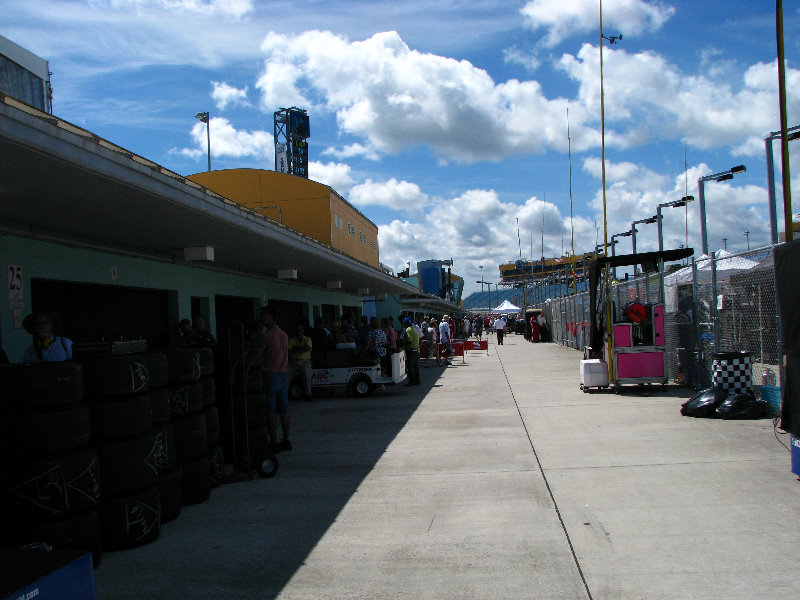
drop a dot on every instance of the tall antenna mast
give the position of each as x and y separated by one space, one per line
571 222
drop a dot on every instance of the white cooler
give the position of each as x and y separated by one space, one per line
594 373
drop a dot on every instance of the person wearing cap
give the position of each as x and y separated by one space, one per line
46 346
275 363
412 352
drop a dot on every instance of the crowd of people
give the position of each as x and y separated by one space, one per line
376 339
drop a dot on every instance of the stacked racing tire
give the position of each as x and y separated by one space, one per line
168 479
123 434
50 482
187 406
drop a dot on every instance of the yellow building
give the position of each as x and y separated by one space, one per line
309 207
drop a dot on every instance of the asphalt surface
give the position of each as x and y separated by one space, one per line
496 478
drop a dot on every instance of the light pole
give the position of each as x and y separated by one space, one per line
646 221
204 118
677 203
793 134
613 247
674 204
721 176
724 243
747 235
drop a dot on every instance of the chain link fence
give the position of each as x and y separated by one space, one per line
724 304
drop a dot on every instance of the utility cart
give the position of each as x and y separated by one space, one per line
344 370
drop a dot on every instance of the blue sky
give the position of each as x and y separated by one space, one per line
446 122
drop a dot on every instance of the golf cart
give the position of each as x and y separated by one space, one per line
344 369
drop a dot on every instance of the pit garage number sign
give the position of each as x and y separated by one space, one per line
15 289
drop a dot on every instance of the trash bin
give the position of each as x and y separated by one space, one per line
731 371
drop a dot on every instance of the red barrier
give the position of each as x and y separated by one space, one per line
458 347
477 345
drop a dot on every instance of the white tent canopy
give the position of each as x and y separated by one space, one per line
506 308
727 263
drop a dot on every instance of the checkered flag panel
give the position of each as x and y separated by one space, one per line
732 374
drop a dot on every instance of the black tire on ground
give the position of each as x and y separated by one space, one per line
81 531
361 385
126 465
267 466
212 426
257 410
186 399
55 486
190 437
158 365
116 375
121 416
163 456
216 459
51 433
130 521
206 361
40 387
195 481
159 401
209 390
169 490
184 364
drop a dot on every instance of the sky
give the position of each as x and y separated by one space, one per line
464 129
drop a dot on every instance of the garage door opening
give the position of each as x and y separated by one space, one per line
94 312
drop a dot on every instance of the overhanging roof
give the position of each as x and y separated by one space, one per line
62 183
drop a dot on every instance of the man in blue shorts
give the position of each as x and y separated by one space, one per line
276 359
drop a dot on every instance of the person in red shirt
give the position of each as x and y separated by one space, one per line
275 361
534 329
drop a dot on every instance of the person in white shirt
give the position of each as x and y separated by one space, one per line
500 328
444 338
433 342
542 326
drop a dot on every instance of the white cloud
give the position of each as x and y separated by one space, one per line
477 228
398 98
227 141
516 55
352 151
634 192
235 9
336 175
564 18
224 94
647 98
398 195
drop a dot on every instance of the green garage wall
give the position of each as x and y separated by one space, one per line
47 260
